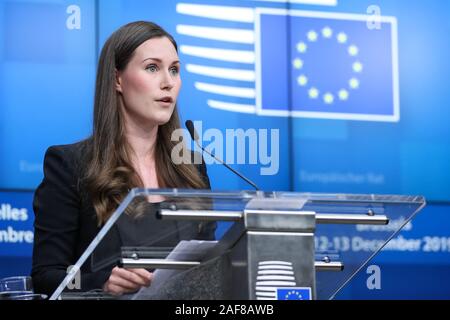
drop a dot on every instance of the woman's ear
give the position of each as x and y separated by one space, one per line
118 83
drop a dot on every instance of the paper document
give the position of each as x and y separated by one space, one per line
192 250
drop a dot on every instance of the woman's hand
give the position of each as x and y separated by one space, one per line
127 280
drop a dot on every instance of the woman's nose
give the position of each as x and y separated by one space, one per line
167 82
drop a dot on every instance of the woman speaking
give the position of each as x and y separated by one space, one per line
135 113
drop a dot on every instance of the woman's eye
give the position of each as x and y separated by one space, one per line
174 70
152 68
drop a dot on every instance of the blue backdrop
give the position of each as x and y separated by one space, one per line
360 107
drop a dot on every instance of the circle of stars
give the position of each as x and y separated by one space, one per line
293 295
353 83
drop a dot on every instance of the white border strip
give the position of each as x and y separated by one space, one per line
311 2
275 277
238 14
275 267
285 272
320 14
222 73
258 82
237 92
267 289
285 263
395 70
241 56
327 115
269 294
220 34
275 283
233 107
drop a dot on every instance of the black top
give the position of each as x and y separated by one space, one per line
66 223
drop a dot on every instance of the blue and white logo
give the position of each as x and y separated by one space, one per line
330 65
296 293
279 62
271 276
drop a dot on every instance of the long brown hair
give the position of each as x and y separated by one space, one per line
110 174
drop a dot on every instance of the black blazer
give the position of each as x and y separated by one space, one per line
66 223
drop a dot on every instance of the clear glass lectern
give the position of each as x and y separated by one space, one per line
279 242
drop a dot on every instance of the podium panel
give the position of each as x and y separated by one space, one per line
281 245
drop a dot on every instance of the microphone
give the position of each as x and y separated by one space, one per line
195 137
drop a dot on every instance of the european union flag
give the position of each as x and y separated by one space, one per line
331 65
294 293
